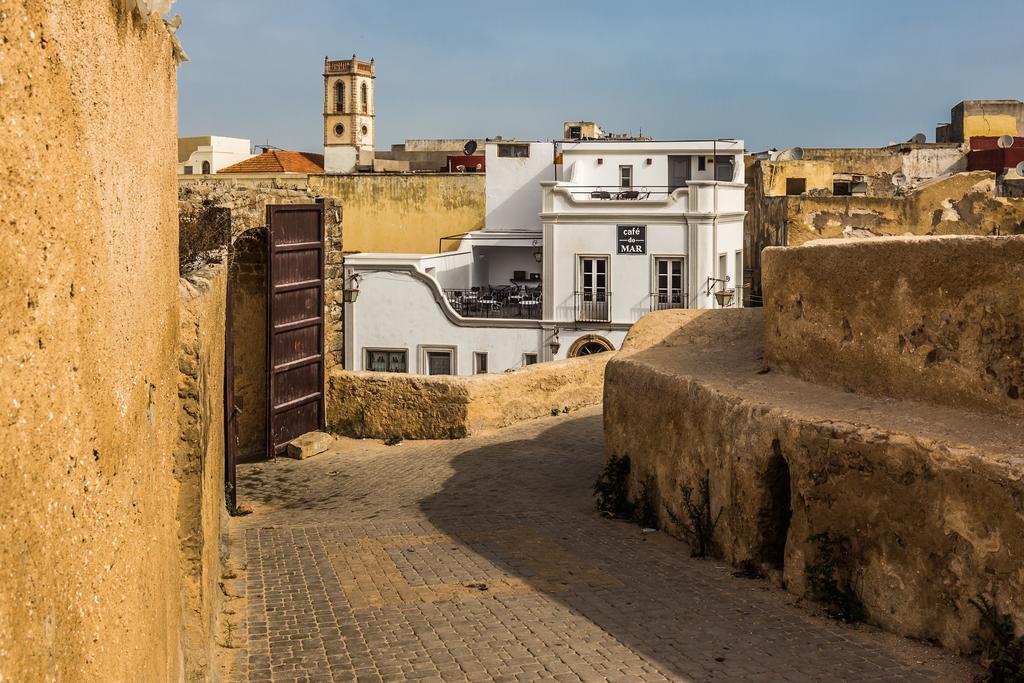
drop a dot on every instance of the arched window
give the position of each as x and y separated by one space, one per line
339 96
362 93
206 168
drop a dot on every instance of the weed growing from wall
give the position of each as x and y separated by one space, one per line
700 523
830 578
646 512
1000 648
611 488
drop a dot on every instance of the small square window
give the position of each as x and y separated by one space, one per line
514 151
796 186
702 164
529 359
386 360
480 363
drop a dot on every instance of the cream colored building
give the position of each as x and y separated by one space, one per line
348 114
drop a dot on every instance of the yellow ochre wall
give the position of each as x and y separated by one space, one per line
992 125
404 213
90 569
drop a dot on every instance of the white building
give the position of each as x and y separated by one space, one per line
572 254
207 154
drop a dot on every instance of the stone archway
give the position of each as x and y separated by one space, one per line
588 345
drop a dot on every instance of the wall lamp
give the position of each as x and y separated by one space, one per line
538 256
554 344
351 293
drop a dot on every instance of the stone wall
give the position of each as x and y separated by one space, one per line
89 558
199 460
379 405
938 319
928 497
405 213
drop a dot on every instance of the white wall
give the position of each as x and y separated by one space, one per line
340 158
597 163
220 153
496 265
512 186
395 310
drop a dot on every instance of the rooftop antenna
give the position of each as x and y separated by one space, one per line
918 139
1004 141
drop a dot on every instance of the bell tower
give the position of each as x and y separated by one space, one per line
348 114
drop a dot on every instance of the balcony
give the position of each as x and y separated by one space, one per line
499 302
661 301
606 193
593 306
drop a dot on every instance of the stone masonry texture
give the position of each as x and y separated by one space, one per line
89 559
929 497
483 559
938 319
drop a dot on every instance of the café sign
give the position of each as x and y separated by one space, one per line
632 239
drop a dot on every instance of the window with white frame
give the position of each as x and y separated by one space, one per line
626 177
437 360
480 362
669 279
592 296
387 360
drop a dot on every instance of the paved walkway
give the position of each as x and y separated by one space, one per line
483 559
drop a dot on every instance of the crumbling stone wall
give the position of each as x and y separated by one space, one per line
379 405
89 558
199 460
935 319
928 498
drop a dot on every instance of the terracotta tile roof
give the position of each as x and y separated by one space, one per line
279 161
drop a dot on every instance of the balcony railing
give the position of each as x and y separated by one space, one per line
593 306
661 301
606 192
497 303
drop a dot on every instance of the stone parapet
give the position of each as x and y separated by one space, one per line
382 405
927 496
935 319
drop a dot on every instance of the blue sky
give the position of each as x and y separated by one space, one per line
777 74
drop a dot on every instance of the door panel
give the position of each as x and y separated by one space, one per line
295 317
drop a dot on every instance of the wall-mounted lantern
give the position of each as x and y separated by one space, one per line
554 344
351 293
538 256
725 297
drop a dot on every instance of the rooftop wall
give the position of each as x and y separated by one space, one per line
936 319
405 213
89 560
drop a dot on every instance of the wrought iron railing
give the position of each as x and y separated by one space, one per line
473 303
593 306
661 301
610 192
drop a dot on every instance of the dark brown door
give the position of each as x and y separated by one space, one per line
295 314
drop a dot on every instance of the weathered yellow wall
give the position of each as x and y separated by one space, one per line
405 213
89 559
962 204
990 125
381 404
817 173
200 459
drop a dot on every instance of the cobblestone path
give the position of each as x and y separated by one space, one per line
483 559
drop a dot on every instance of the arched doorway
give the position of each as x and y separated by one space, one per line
588 345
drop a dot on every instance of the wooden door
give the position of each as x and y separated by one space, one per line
295 323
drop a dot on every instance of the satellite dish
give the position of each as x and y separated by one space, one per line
470 148
1004 141
460 168
479 167
899 180
918 139
791 154
1019 168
